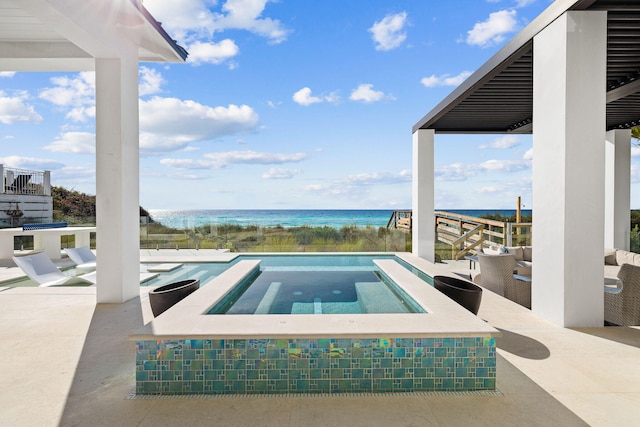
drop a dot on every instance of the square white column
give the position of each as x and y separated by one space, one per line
569 113
617 214
117 182
423 219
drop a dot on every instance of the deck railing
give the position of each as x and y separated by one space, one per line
400 220
25 182
466 233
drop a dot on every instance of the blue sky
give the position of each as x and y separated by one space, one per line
289 104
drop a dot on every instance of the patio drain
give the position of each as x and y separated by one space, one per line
134 396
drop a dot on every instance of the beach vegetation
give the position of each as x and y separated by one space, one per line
254 238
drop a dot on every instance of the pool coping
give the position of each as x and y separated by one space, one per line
444 318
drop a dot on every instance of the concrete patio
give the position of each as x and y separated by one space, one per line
68 361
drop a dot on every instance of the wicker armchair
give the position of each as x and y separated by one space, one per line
496 275
622 305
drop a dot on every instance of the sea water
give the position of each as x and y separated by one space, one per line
186 219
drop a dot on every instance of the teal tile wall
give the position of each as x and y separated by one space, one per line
336 365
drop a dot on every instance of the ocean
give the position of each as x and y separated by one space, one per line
186 219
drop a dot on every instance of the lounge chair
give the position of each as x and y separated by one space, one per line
43 271
83 257
622 304
496 275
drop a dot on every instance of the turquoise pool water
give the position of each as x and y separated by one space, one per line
317 290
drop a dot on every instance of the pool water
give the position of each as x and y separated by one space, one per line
316 291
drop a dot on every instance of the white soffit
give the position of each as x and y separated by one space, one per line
66 35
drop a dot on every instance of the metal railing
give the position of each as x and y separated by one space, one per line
25 182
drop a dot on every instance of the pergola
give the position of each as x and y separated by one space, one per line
572 79
110 37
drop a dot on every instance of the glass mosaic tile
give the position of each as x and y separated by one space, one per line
327 365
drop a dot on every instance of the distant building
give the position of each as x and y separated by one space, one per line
25 197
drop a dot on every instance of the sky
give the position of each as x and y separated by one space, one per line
290 104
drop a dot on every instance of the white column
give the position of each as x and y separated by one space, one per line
569 100
617 213
117 183
423 221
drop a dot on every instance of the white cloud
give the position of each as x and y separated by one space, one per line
376 178
224 159
463 171
150 81
389 33
191 21
281 173
529 154
74 175
524 3
185 20
246 15
169 124
491 190
31 163
355 186
76 93
365 93
7 74
493 30
71 91
507 141
14 108
445 79
504 165
212 53
74 142
454 172
304 97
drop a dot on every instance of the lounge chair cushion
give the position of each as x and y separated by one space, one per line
516 251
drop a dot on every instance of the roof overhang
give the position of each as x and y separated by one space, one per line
67 35
498 97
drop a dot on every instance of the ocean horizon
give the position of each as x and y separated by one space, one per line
336 218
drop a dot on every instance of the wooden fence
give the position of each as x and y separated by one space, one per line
466 233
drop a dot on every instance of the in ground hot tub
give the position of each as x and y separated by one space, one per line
440 347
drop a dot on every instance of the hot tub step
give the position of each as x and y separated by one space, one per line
376 297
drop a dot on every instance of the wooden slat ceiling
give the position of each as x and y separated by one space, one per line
500 98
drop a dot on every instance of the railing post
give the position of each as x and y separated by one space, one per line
4 184
508 234
46 183
9 177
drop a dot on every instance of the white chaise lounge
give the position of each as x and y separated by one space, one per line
43 271
83 257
